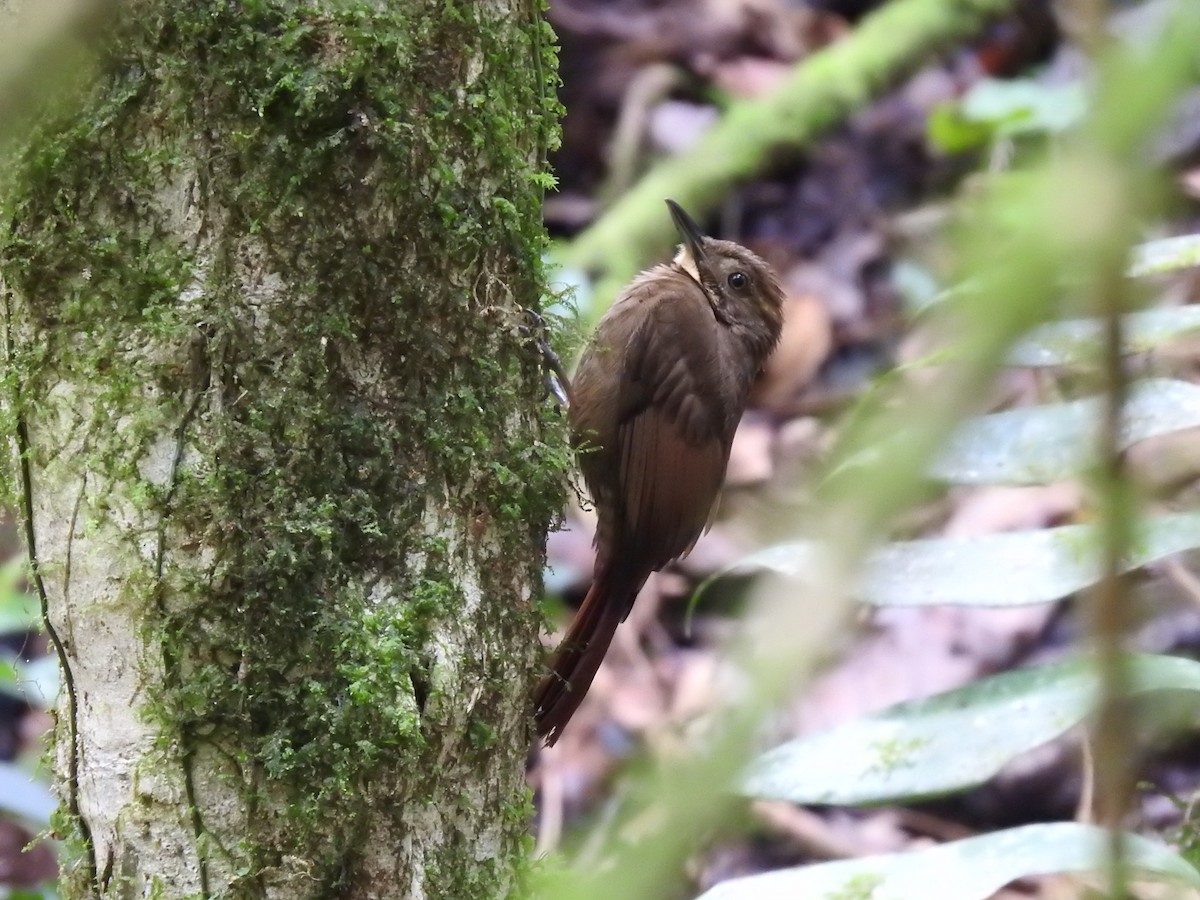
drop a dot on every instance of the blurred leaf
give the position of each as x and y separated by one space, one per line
1042 444
35 682
917 286
951 132
24 797
1024 106
951 741
1078 340
569 289
46 49
8 677
1005 108
19 611
971 869
1011 569
1165 255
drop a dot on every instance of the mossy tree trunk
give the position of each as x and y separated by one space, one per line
284 455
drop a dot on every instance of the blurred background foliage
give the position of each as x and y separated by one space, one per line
974 453
943 639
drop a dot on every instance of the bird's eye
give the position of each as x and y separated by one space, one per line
738 280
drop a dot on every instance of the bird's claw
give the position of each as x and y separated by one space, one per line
557 382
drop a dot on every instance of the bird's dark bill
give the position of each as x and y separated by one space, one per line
693 237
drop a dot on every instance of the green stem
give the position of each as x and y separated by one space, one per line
822 90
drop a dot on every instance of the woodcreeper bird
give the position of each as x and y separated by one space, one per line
655 401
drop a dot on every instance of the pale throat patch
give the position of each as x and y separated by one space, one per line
687 262
684 260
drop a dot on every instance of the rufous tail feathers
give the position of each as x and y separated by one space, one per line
579 656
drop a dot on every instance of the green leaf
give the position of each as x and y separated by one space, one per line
972 869
19 612
1005 108
1076 341
951 132
951 741
1012 569
22 796
1041 444
1024 106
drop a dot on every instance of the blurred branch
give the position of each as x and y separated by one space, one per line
649 86
823 90
1111 740
1110 616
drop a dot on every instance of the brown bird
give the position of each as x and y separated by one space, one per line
655 402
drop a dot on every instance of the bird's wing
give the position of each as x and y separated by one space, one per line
671 436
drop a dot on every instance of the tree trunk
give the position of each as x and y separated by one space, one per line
284 455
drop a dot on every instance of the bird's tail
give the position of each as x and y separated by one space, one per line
579 656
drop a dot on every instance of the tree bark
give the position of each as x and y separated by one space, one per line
281 443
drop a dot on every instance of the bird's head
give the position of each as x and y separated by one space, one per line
740 286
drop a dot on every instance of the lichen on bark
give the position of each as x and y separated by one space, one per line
289 464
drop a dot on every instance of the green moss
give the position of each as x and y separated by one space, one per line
323 142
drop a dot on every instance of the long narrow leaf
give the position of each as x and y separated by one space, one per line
1043 444
949 742
1012 569
1165 255
971 869
1076 341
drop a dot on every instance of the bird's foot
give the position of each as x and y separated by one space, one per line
557 382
